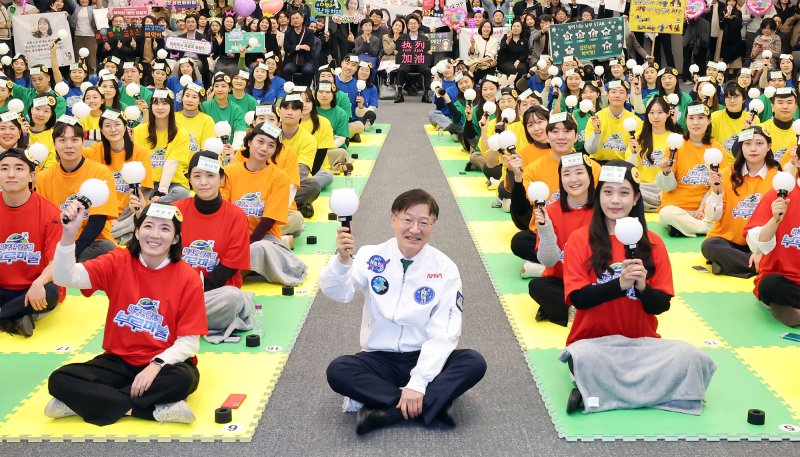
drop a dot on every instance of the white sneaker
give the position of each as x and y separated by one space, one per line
351 406
174 412
493 183
57 409
288 241
506 202
532 270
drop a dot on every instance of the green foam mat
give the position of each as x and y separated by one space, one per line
724 415
23 372
480 209
454 168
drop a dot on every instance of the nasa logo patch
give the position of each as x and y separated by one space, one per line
424 295
377 264
379 285
460 301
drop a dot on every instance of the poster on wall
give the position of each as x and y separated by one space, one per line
33 34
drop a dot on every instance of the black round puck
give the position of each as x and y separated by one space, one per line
354 156
252 341
287 290
378 131
331 216
756 417
311 239
223 415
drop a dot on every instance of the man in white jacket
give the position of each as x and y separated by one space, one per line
408 367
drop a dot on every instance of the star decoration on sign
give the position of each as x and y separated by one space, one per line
606 31
593 33
619 37
606 46
569 50
580 35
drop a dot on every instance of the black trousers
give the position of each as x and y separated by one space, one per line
664 41
700 59
12 302
523 245
424 70
732 258
306 69
778 289
375 378
549 294
508 68
100 390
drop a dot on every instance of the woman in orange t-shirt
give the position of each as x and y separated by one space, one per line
261 190
735 193
115 149
684 182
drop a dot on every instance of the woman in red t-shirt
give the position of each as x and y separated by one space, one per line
555 223
156 315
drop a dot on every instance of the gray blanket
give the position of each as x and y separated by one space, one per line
276 263
228 308
615 372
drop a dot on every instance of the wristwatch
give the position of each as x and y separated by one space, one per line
158 361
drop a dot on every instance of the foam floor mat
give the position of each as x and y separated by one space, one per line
73 332
720 315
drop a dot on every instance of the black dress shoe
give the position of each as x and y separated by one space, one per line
675 233
426 98
575 401
356 138
306 209
445 417
24 326
540 316
368 419
399 98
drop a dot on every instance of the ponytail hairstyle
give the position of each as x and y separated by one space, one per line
309 94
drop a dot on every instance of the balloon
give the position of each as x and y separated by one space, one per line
759 7
244 8
271 6
454 17
695 8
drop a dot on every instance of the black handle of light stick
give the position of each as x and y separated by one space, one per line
783 193
540 206
671 157
225 138
630 253
345 220
85 202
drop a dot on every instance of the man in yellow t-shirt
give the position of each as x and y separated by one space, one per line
606 139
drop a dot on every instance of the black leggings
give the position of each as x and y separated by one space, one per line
732 258
548 292
12 302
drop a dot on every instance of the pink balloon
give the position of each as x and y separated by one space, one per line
244 7
271 6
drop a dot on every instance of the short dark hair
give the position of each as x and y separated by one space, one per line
569 124
414 197
175 250
60 129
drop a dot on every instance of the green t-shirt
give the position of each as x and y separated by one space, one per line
144 93
27 94
230 113
339 120
246 103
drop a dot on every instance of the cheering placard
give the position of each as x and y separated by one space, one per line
235 40
33 34
186 45
597 39
412 52
657 16
327 8
441 42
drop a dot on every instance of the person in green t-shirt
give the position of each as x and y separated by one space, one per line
238 96
221 110
41 80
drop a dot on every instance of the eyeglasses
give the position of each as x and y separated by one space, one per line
423 224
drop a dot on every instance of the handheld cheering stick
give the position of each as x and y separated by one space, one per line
344 202
508 115
753 93
721 67
769 91
133 90
674 142
223 130
162 54
638 70
552 70
252 42
214 145
694 69
713 157
132 114
469 96
673 100
185 80
508 141
80 109
630 124
783 183
16 105
708 90
5 60
494 143
38 152
93 192
571 101
4 49
586 107
796 129
767 54
538 192
598 71
61 88
441 66
249 117
756 106
489 108
288 87
630 63
361 85
629 231
83 53
133 173
63 35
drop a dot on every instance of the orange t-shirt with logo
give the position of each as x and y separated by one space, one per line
60 188
691 172
737 209
263 193
95 152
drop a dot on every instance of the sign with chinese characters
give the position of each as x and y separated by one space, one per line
412 52
657 16
597 39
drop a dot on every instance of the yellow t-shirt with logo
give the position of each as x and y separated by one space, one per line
724 129
200 128
517 127
614 139
45 137
648 169
323 135
782 141
178 150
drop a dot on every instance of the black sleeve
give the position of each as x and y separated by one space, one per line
94 226
218 277
655 301
455 114
319 159
520 206
264 225
593 295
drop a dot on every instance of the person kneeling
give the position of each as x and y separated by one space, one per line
408 367
156 315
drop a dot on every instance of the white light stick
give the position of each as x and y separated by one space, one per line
769 91
39 153
433 71
441 66
542 64
712 158
6 60
249 117
708 90
722 66
223 130
673 100
629 231
469 96
494 143
102 73
694 69
85 86
552 70
344 202
133 90
93 192
83 53
599 70
133 173
674 141
81 110
132 114
571 101
185 80
767 54
488 108
638 70
756 106
508 141
753 92
538 193
630 125
4 49
630 64
63 35
252 42
288 87
61 88
509 115
16 105
162 54
214 145
586 107
557 82
361 85
783 183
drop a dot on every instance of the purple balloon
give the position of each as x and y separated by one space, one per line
244 7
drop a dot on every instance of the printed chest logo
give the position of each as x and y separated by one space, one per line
728 144
656 157
779 154
615 143
18 248
251 204
617 269
698 175
144 317
157 158
119 184
200 254
379 285
377 264
194 146
791 239
64 205
747 206
424 295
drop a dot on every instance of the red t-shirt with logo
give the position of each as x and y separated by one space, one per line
563 225
783 260
211 239
147 309
622 316
28 237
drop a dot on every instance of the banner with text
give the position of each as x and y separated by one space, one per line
597 39
235 40
657 16
33 34
327 8
186 45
